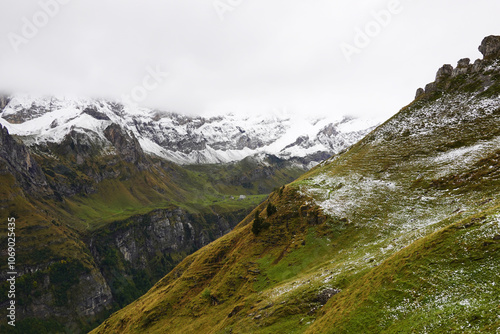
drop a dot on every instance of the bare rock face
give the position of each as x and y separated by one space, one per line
430 87
463 63
126 144
96 295
4 101
142 238
324 296
16 160
490 47
92 111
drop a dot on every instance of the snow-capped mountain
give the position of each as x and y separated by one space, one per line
180 138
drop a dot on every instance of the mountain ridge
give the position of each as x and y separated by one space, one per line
399 233
184 139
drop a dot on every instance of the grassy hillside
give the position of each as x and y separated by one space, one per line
400 234
126 191
94 201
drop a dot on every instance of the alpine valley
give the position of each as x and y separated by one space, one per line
108 198
398 234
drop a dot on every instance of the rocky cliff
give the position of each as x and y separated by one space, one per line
15 159
133 254
52 271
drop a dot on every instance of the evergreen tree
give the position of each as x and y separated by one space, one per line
257 224
271 209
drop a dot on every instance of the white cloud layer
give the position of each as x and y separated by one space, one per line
241 56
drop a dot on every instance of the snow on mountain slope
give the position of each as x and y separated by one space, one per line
185 139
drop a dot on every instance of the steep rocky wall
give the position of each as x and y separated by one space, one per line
133 254
165 231
15 159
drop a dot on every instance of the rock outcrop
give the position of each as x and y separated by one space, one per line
15 159
4 101
144 248
126 145
463 67
444 72
89 296
490 47
420 92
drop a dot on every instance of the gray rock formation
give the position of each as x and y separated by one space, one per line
463 67
444 72
125 144
17 160
4 101
490 47
164 232
90 296
419 93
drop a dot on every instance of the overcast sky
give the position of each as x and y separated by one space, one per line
241 56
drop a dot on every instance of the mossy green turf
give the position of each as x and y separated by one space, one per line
406 224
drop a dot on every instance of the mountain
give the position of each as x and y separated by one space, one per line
104 210
399 234
184 139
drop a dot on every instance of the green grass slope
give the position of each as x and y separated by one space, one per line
120 190
400 234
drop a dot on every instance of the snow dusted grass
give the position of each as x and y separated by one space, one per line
383 189
452 110
343 196
456 160
447 287
445 282
463 287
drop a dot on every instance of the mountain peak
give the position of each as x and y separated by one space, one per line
490 47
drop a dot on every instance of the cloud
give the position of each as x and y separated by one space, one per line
263 55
